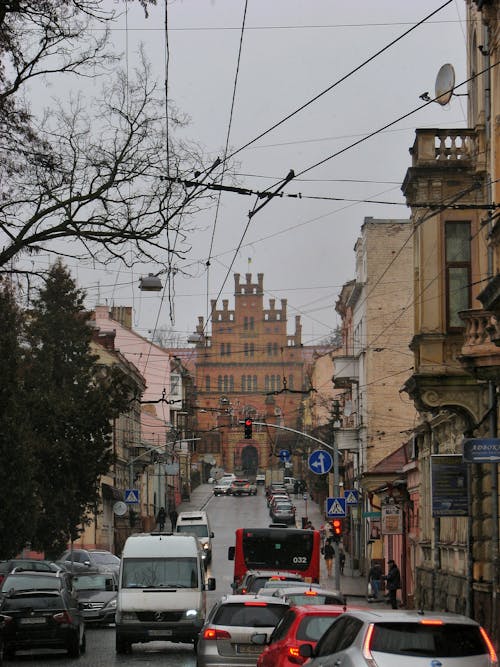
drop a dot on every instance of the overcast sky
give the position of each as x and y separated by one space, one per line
291 51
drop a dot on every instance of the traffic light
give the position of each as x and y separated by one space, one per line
337 529
248 428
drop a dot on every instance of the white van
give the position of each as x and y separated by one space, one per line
196 523
161 591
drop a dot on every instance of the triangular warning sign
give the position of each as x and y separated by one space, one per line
351 498
131 496
336 508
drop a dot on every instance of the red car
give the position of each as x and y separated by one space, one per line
299 625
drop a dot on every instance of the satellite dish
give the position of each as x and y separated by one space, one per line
120 508
445 82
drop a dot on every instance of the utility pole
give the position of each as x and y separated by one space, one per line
335 414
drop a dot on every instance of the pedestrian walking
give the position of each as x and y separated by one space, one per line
328 553
375 579
173 518
161 517
296 488
393 579
341 560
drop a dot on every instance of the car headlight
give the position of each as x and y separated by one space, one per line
191 613
205 546
111 604
127 616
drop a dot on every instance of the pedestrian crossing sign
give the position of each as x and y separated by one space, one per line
335 507
132 496
351 496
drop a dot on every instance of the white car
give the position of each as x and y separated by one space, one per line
223 487
390 638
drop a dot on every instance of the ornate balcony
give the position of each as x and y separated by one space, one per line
435 147
480 351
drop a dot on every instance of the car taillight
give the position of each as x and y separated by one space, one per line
213 633
491 649
244 591
311 593
367 654
294 656
62 617
255 603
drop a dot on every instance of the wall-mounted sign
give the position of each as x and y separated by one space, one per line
392 520
449 486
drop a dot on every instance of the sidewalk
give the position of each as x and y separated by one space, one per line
351 583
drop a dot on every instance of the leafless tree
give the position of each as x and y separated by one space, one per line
90 171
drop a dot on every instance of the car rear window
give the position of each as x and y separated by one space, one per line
259 582
450 640
258 615
30 583
312 598
312 627
36 601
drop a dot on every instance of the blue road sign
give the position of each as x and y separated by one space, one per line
351 496
284 455
478 450
131 496
335 508
320 462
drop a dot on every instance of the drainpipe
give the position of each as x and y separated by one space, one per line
437 535
492 393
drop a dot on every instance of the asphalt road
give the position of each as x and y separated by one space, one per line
226 514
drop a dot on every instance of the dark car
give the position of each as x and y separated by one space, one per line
96 593
283 513
95 559
47 618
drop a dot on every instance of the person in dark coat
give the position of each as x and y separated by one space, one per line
375 578
161 517
173 518
328 553
393 579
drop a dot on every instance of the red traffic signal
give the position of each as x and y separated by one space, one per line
337 528
248 428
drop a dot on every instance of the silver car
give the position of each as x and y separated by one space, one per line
390 638
226 637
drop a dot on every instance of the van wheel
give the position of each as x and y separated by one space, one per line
123 645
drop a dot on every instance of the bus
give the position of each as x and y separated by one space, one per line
286 549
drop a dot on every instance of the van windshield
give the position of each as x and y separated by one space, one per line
160 573
200 530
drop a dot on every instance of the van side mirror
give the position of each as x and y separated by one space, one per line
210 585
212 534
230 553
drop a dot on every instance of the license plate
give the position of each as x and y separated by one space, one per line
31 621
249 648
160 633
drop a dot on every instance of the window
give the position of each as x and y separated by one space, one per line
243 383
219 383
251 322
252 349
207 382
222 349
175 384
245 348
275 349
269 349
245 323
290 382
266 383
458 272
254 383
231 383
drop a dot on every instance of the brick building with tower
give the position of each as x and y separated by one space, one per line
249 366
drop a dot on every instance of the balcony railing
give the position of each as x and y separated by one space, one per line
444 145
482 333
346 371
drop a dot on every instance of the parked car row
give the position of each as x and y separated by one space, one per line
280 505
46 604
